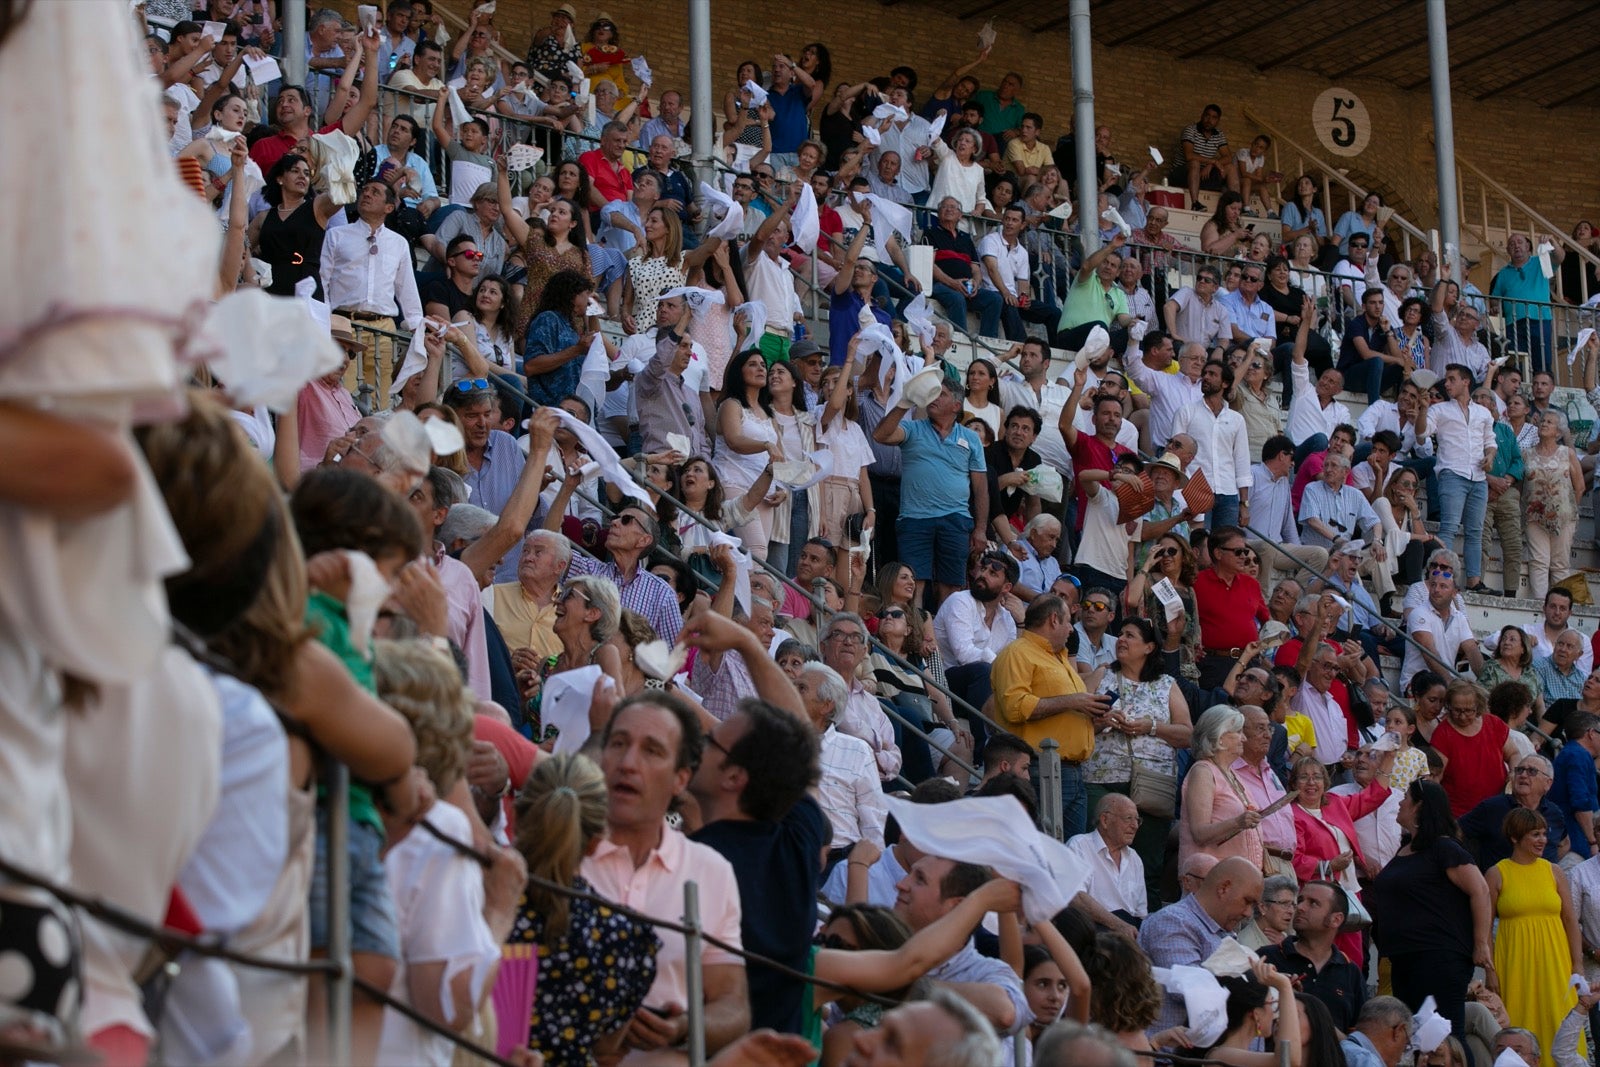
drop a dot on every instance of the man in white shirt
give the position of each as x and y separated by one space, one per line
1035 391
1195 314
1006 270
848 789
1352 276
1542 636
1464 433
1140 303
1442 630
1313 414
1223 445
1169 393
843 647
367 276
974 624
1314 700
1114 895
908 138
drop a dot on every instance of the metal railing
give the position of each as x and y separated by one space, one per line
1500 213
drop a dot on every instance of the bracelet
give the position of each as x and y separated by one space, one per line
859 863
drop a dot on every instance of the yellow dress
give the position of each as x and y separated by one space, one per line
1531 954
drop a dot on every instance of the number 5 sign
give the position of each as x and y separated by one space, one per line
1341 122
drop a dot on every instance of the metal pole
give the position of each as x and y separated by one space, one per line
1050 787
1083 127
340 988
701 114
1444 135
294 41
694 980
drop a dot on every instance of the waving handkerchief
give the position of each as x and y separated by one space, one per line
757 311
459 115
1155 154
641 69
741 568
986 36
565 705
443 436
798 475
935 128
1044 482
659 660
267 348
415 362
1585 335
1203 997
697 297
804 221
575 72
606 456
337 170
568 39
595 373
1061 211
367 18
1113 216
875 338
368 590
889 111
870 132
920 319
758 95
996 832
321 314
1430 1028
403 432
521 157
888 216
1230 959
732 224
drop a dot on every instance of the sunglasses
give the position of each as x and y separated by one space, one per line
471 385
893 614
626 519
1441 572
1096 605
832 941
1237 551
470 253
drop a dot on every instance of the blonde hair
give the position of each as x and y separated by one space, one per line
559 812
602 595
422 683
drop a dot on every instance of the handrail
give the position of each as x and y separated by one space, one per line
1330 171
1517 202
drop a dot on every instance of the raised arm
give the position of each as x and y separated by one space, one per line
355 117
238 217
1092 264
516 225
841 280
707 630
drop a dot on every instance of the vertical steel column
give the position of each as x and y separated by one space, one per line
1444 135
1050 787
341 988
694 979
1083 128
702 113
294 41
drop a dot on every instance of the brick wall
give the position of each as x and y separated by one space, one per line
1141 93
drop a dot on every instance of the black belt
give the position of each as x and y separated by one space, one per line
1223 653
361 316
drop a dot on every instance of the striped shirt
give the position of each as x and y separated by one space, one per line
849 791
644 594
1206 145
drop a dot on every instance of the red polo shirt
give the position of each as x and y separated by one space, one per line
613 181
1230 614
1090 453
275 146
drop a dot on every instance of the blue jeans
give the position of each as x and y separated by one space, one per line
1533 337
1074 801
1317 442
1371 374
1462 501
1225 512
954 302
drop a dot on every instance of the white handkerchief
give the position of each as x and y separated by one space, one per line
1584 336
264 70
320 313
1062 210
219 136
758 95
1204 999
920 318
1230 959
732 224
1045 482
798 475
367 18
805 222
459 116
659 660
595 373
338 153
567 39
267 348
1155 154
575 72
415 363
214 30
986 35
889 111
484 9
936 127
403 432
1508 1058
443 436
741 568
888 216
641 69
870 132
565 705
521 157
263 272
679 444
602 453
1545 263
1113 216
996 832
1430 1027
758 319
368 590
697 297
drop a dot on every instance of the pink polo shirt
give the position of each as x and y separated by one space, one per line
325 412
655 888
1261 786
465 611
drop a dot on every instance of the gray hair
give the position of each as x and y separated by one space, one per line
1069 1042
1279 883
1218 720
1385 1011
613 125
322 18
1307 602
843 616
559 544
602 595
465 522
1445 558
830 687
1335 459
1517 1031
978 1047
1042 521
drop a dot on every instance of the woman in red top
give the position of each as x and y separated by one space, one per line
1476 747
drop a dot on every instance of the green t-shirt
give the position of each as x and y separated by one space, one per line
1089 301
328 621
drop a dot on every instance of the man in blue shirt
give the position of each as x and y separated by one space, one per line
1575 789
949 513
1381 1034
1527 324
415 186
789 96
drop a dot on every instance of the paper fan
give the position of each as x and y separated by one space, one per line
1135 503
513 997
1198 494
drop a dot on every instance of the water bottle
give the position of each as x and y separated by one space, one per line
799 331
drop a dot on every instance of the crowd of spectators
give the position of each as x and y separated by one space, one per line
602 574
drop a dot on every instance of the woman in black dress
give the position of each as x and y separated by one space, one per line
288 235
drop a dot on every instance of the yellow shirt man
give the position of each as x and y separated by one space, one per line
524 622
1032 671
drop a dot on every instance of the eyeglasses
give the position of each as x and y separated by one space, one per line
848 637
570 592
1532 772
712 742
627 519
472 385
1096 605
992 565
894 613
470 253
1287 902
832 941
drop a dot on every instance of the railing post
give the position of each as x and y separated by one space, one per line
1050 787
694 979
1083 127
1444 135
294 42
340 987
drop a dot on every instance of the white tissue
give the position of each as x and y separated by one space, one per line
986 36
887 111
641 70
1230 959
368 590
521 157
1155 154
267 347
443 437
1430 1028
758 95
874 138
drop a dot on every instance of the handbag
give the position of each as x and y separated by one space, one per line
1154 793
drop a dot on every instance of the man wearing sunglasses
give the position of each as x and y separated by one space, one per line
1230 606
629 538
974 624
443 297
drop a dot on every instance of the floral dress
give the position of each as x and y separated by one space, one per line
1415 347
651 277
1112 761
544 262
1547 498
590 981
